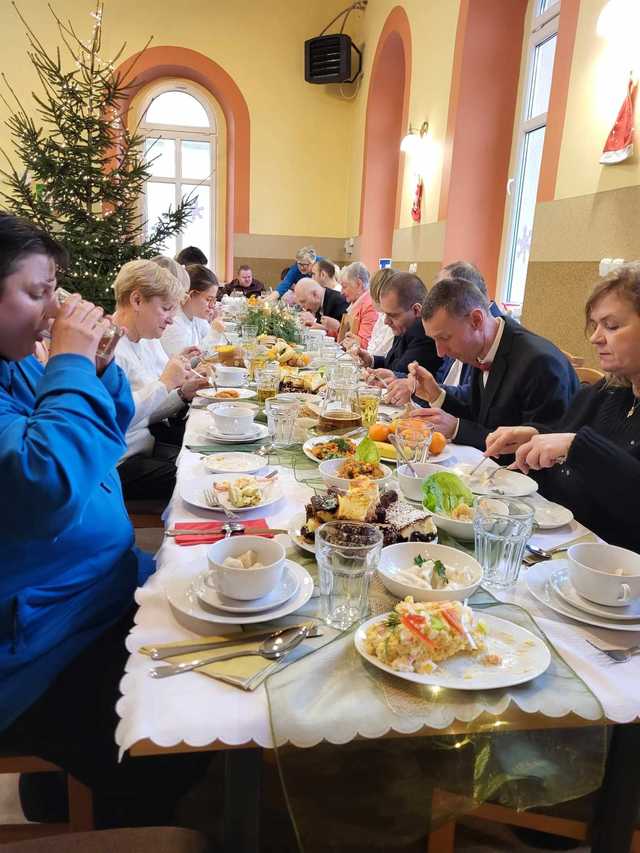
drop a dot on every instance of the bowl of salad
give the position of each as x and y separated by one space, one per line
453 505
429 572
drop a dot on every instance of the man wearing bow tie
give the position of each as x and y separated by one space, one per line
518 377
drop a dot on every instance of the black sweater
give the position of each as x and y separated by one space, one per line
599 480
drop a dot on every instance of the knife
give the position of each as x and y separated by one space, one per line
172 651
249 531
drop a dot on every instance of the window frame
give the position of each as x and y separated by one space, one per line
543 27
180 133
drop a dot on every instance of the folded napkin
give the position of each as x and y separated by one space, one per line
215 528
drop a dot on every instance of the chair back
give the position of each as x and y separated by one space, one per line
589 375
575 360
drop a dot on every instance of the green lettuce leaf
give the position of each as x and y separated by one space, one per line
444 491
367 451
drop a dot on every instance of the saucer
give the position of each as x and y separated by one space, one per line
208 595
259 431
562 586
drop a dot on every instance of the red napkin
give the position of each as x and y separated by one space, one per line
216 530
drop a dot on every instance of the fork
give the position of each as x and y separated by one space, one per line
617 655
214 502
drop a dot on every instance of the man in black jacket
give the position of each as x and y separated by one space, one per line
319 303
518 377
401 301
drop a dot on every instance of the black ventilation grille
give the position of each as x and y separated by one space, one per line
327 59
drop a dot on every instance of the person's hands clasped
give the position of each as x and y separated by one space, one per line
441 421
506 440
544 451
78 328
399 392
426 386
174 374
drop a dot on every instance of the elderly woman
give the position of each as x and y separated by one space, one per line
362 315
302 268
69 565
190 326
381 335
590 461
147 298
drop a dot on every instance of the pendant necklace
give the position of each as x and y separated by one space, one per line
632 410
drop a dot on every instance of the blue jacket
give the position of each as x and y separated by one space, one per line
69 566
293 277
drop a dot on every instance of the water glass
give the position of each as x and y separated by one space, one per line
249 333
369 399
501 536
281 420
414 439
347 553
267 381
109 339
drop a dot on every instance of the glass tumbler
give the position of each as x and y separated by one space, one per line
281 420
112 335
414 438
369 399
502 529
267 381
348 553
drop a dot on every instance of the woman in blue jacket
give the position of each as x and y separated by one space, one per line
69 567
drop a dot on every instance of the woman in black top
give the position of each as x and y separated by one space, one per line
591 463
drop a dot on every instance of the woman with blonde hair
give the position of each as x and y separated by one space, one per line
147 298
590 461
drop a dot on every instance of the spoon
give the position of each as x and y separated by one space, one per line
232 527
393 441
547 553
273 648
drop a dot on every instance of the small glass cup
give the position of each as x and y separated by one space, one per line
281 420
267 381
369 399
348 553
112 335
249 333
501 537
414 438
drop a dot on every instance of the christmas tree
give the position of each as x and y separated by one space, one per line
81 170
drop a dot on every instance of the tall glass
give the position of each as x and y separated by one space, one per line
501 537
249 333
112 335
369 399
281 420
267 381
414 438
348 553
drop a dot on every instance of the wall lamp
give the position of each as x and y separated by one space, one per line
412 142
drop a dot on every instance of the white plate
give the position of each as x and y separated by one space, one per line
508 484
520 663
548 515
232 463
297 521
321 439
212 394
190 613
192 490
204 588
260 431
538 583
562 586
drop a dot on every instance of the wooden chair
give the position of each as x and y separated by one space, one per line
146 513
155 839
576 360
80 801
589 375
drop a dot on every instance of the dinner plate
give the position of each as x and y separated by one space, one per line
539 585
548 515
508 484
191 614
260 431
205 589
191 491
322 439
212 394
234 463
561 583
524 657
297 521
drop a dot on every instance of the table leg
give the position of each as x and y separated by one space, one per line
616 808
242 795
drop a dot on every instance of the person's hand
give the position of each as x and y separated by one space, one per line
544 451
78 327
188 353
307 318
330 325
366 359
399 392
217 326
426 386
174 373
193 384
441 421
350 341
508 439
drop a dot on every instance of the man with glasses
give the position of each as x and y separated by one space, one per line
303 267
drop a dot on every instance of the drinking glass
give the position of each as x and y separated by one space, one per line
249 333
501 536
414 438
110 338
267 381
340 409
281 420
348 553
369 399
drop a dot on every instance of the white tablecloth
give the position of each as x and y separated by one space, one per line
199 710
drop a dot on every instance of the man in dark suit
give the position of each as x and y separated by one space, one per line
517 377
401 301
318 303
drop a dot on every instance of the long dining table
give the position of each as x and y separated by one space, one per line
200 713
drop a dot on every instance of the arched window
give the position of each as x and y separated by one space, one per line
181 136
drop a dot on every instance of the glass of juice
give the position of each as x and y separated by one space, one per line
267 381
369 399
